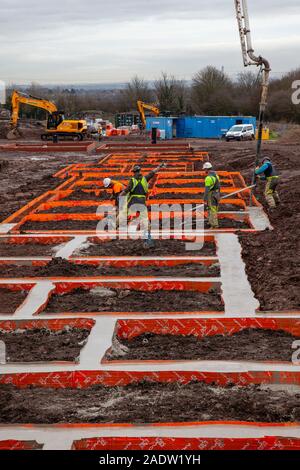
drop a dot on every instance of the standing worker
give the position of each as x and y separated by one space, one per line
212 195
137 191
267 172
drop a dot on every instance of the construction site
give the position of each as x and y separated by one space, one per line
184 337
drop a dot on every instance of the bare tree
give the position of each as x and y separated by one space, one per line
136 89
171 94
211 86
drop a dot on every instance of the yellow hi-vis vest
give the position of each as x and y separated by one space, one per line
139 188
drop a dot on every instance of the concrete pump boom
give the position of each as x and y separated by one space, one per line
250 58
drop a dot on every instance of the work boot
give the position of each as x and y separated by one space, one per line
270 201
149 243
277 199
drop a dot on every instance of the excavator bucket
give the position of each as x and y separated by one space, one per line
13 134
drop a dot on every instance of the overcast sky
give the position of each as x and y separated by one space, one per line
92 41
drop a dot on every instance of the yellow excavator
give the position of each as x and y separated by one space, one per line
141 106
57 125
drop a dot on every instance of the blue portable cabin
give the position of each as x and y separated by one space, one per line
166 124
197 127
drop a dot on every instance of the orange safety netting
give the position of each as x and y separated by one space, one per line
190 444
128 329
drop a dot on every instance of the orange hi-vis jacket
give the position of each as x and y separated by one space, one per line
117 187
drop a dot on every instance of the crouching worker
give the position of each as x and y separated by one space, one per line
116 187
211 195
267 172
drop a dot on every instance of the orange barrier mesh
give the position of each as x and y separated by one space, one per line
85 379
12 444
146 286
53 325
190 444
129 329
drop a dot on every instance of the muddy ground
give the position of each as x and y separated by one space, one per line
42 345
70 210
246 345
79 195
272 257
28 249
25 177
59 225
149 402
120 300
93 209
170 195
10 300
188 185
137 248
59 267
91 225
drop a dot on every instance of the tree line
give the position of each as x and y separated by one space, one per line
210 92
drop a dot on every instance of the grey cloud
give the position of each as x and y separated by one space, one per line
45 40
37 15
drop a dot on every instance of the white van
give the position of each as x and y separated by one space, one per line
240 132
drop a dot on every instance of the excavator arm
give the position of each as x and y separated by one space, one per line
57 125
21 98
141 106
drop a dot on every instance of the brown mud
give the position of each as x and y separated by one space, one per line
59 267
138 248
26 249
246 345
70 210
189 185
78 195
27 176
223 223
149 402
79 225
59 225
120 300
272 258
186 196
42 345
10 300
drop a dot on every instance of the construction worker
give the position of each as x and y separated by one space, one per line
267 172
211 195
116 187
136 192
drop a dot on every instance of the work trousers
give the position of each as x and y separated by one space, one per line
213 208
271 194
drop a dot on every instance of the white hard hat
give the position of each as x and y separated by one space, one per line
106 182
207 166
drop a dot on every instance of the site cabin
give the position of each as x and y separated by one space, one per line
197 127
